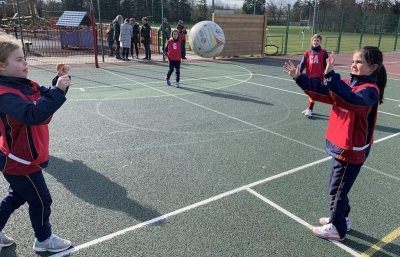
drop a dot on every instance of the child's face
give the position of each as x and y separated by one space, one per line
360 67
316 42
175 35
16 65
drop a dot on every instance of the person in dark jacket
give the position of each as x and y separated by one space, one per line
165 30
110 38
350 131
174 52
135 37
145 33
26 109
117 31
182 36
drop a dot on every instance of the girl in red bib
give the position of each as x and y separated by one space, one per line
350 131
314 62
174 52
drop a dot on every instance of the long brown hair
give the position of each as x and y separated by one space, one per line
372 55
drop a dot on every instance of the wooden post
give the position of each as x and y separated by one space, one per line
264 36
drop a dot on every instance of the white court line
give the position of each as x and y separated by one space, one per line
215 111
161 82
187 208
195 205
291 215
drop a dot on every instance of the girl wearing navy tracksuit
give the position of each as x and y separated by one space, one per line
350 128
26 109
174 52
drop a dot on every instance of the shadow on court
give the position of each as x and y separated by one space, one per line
92 187
387 129
226 96
390 247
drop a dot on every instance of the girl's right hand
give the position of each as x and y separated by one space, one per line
62 69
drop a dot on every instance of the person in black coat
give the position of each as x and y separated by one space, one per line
117 31
146 37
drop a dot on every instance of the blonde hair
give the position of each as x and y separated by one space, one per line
119 19
316 36
8 44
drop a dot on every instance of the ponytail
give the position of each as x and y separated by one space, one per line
381 80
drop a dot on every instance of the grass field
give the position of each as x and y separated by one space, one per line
296 45
349 41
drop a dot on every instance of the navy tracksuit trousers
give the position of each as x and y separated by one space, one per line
177 66
32 189
341 178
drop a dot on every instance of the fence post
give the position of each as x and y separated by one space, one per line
340 31
287 29
381 30
101 31
362 29
397 34
317 23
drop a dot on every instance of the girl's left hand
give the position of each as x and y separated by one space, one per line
290 69
330 63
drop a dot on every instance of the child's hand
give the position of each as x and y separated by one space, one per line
330 63
62 69
290 69
63 82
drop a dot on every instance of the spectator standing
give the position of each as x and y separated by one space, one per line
146 38
125 39
182 36
165 29
110 38
117 31
135 37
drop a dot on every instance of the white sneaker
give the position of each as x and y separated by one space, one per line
324 221
52 244
5 240
308 113
327 231
306 110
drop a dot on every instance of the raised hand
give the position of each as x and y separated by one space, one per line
330 62
63 82
62 69
290 69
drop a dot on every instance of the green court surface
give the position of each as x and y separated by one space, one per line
226 165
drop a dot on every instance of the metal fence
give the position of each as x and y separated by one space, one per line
342 31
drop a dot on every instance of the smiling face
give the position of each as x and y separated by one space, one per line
15 65
360 67
315 42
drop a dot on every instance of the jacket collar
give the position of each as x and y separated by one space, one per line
357 80
14 82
